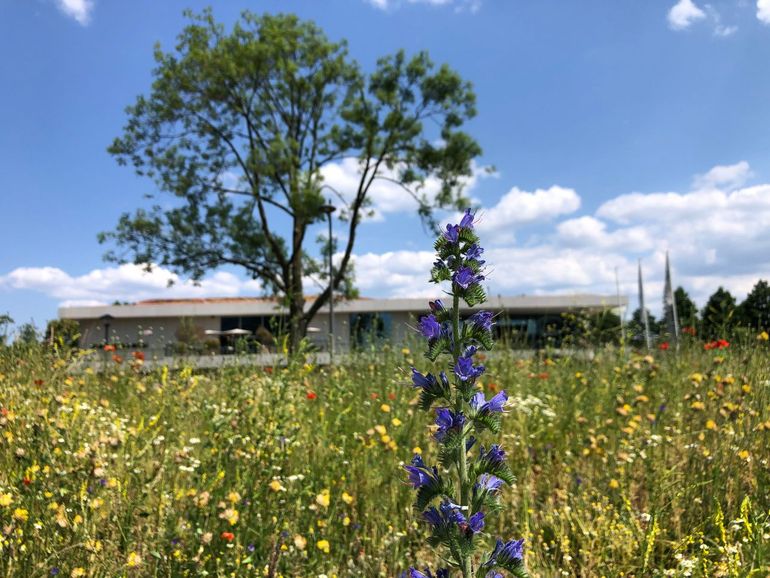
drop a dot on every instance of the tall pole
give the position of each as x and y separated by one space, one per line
643 311
331 294
623 315
328 209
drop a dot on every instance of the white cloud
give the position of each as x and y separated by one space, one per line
683 14
385 195
724 176
123 283
516 208
716 233
80 10
763 11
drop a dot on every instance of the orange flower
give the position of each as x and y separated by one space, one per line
391 396
229 536
117 358
138 355
109 348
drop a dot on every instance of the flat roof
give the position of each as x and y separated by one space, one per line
256 306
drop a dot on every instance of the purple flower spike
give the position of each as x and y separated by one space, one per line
447 421
482 320
465 277
488 483
474 252
467 220
452 233
430 327
476 522
436 305
494 405
466 371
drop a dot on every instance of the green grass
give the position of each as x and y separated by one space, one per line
626 466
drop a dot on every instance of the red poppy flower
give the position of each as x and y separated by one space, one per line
373 395
311 395
664 346
138 355
117 358
109 348
391 396
39 382
229 536
26 481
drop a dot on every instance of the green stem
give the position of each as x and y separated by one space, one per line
462 466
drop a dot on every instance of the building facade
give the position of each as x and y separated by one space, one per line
251 324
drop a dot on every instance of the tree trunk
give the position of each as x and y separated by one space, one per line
296 296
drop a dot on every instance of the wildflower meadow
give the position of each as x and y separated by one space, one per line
625 464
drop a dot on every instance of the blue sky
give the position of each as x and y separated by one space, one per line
618 129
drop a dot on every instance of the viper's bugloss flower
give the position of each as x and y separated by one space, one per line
452 233
474 252
414 573
420 475
447 421
465 277
494 405
488 483
482 320
506 553
465 370
476 522
436 305
430 327
422 381
495 455
467 221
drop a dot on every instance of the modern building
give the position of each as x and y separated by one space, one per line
227 324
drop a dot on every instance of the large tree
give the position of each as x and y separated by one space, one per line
239 125
754 311
719 318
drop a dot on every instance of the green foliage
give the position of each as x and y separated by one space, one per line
238 127
63 332
5 322
719 315
754 311
28 334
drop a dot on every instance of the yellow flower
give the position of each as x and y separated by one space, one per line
396 422
347 498
698 405
234 497
614 484
380 429
134 560
416 450
711 424
276 486
697 377
20 515
346 521
744 455
323 545
385 407
405 351
299 542
323 498
5 500
78 572
763 336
